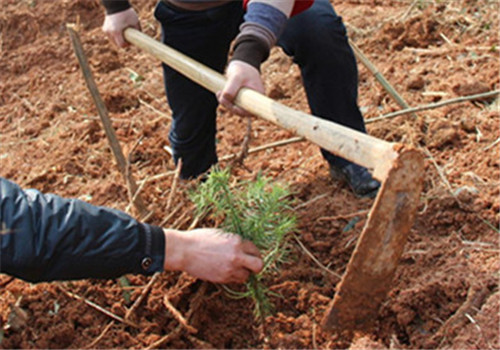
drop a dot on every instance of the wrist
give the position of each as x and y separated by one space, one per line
250 50
174 250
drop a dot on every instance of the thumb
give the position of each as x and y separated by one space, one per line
229 92
119 39
251 262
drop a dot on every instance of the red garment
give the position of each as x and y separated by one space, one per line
298 7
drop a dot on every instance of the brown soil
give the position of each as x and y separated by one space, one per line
445 293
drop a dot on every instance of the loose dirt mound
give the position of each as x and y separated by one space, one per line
445 294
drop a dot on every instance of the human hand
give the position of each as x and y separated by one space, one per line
239 74
116 23
211 255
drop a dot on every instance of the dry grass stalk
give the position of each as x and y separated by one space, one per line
182 218
489 94
158 177
171 214
344 216
160 113
168 150
143 295
133 196
99 308
476 296
409 10
441 173
378 76
313 258
265 147
195 222
453 193
201 344
314 331
101 336
243 153
175 334
179 224
305 204
492 145
178 316
173 189
103 113
148 216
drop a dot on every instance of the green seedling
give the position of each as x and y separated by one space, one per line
257 211
135 77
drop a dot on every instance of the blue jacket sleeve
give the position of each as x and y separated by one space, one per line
45 237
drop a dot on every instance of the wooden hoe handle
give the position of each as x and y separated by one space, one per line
375 154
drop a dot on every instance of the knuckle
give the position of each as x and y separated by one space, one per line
233 257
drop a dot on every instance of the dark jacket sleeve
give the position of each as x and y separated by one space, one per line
45 237
114 6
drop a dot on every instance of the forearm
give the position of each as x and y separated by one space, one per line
46 237
264 23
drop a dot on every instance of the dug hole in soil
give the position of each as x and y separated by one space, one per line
445 292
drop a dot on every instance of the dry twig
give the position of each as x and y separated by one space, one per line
103 113
409 10
181 219
160 113
314 342
158 177
265 147
171 214
492 145
476 296
313 258
175 334
378 76
168 150
305 204
178 316
201 344
344 216
435 105
440 173
99 338
128 173
99 308
195 222
243 153
143 295
173 189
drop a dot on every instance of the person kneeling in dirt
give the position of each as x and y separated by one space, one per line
308 30
45 237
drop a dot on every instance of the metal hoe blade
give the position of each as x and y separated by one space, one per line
369 274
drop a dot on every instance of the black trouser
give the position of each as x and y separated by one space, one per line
315 38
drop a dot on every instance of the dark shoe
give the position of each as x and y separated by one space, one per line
358 178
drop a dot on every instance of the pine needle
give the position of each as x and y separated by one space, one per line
258 211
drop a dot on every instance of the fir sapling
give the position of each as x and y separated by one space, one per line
257 211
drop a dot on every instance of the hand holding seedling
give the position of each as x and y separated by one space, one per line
257 211
212 255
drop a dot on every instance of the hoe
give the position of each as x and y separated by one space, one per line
371 268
